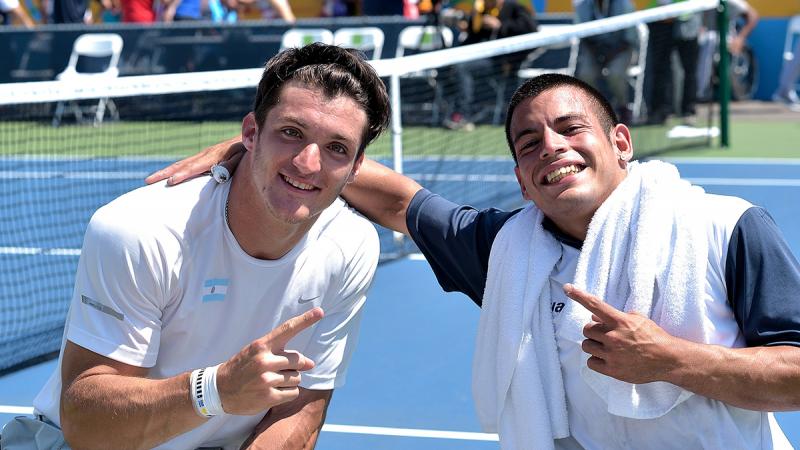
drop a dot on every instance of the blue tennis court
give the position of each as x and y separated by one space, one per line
409 382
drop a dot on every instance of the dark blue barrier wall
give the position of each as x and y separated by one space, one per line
40 54
767 41
181 47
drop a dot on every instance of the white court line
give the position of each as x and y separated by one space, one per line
81 175
734 161
483 178
77 158
449 158
776 182
40 251
166 160
410 432
353 429
6 409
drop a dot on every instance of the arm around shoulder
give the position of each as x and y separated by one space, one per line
382 195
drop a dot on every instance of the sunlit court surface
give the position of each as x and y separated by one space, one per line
408 385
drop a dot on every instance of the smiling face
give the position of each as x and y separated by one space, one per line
304 153
567 164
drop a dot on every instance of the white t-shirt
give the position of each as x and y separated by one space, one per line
162 283
457 241
729 428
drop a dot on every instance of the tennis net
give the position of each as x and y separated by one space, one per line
59 162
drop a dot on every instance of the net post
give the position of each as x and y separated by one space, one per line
724 73
397 126
397 137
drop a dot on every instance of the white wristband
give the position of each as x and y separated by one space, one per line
205 397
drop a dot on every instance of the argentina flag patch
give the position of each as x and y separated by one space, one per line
214 289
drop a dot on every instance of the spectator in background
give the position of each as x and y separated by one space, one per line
607 56
264 9
665 36
339 8
12 10
490 19
137 11
182 10
790 73
737 9
69 11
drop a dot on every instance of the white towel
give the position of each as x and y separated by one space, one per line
646 251
645 235
517 383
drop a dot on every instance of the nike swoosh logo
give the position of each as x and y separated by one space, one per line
306 300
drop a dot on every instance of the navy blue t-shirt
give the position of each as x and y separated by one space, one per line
761 274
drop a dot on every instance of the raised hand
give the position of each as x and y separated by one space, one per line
625 346
264 374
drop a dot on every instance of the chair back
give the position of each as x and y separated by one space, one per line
417 39
300 37
367 39
95 45
529 69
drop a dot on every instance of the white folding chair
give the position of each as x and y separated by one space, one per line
637 70
300 37
529 69
418 39
367 39
98 45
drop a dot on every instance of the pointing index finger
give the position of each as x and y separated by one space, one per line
284 332
601 309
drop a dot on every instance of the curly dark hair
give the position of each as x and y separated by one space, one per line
335 71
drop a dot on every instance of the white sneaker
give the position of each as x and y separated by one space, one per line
789 99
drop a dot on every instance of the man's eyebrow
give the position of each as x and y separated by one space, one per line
302 124
570 117
523 133
559 120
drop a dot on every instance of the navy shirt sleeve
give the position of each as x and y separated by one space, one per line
763 281
455 239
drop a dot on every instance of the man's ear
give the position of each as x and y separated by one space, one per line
356 168
249 131
521 184
622 143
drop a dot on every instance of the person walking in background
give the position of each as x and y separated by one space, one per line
607 57
489 20
739 12
679 34
790 74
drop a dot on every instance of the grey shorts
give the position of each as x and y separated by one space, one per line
38 433
32 433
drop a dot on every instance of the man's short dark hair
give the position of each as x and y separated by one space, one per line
537 85
333 70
